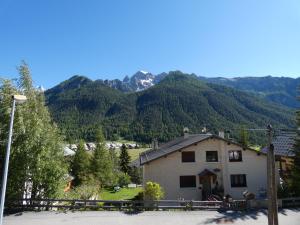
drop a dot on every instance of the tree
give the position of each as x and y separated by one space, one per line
37 150
244 136
136 175
102 165
295 176
153 191
81 165
124 160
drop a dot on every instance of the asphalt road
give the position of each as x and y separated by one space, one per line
289 217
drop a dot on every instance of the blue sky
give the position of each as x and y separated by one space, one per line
110 39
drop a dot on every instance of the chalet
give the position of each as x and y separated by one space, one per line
195 166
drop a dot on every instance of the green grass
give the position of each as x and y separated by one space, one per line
123 194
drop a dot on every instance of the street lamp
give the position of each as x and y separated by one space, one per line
16 99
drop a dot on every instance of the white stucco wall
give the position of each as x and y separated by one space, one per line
167 170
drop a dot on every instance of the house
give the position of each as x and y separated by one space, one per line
193 167
68 151
283 149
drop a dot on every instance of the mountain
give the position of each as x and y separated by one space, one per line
141 80
282 90
178 100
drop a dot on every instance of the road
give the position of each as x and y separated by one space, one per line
289 217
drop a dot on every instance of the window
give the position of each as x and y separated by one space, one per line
187 181
211 156
188 156
235 156
238 180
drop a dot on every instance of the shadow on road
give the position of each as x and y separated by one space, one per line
232 216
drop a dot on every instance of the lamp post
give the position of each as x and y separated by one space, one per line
16 99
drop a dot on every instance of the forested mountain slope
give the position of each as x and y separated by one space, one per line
180 100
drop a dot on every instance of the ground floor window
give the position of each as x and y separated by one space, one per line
238 180
187 181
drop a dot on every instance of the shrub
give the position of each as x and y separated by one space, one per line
85 191
123 179
153 191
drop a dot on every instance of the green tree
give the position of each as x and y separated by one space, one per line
37 150
81 165
244 136
102 165
136 175
123 179
124 160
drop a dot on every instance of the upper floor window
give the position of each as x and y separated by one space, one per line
211 156
238 180
235 156
187 181
188 156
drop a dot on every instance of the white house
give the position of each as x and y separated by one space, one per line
194 166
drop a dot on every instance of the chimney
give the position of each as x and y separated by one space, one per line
185 132
154 144
221 134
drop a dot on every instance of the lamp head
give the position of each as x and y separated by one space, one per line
19 98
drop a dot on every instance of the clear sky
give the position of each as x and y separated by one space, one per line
113 38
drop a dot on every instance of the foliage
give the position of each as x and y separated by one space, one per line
80 105
123 179
81 165
244 137
153 191
124 160
136 175
102 164
36 152
88 190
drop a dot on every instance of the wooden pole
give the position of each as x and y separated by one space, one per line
274 187
269 177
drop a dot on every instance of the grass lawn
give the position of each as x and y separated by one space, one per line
123 194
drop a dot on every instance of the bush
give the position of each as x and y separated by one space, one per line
86 191
153 191
123 179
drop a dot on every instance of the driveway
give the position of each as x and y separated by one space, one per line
289 217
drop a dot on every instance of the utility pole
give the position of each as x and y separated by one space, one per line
15 99
271 173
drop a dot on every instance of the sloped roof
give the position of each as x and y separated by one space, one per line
283 144
68 151
176 145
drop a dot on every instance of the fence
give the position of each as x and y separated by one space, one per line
50 204
289 202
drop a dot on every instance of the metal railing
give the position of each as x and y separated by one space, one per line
50 204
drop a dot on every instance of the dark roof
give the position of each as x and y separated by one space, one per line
283 144
176 145
135 163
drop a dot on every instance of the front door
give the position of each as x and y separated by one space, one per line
206 187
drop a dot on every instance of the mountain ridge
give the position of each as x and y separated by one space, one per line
161 111
280 90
